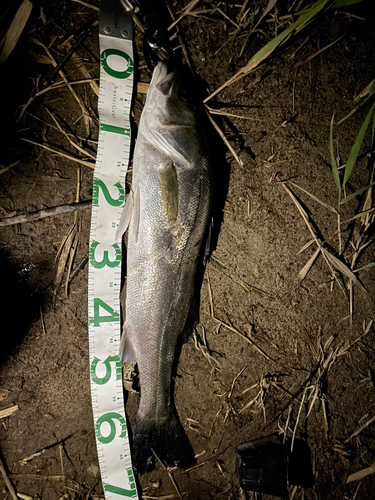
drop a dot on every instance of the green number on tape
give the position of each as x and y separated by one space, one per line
122 491
97 183
110 418
105 261
112 72
115 130
113 316
107 363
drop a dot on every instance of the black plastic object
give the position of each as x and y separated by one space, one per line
268 466
116 19
156 36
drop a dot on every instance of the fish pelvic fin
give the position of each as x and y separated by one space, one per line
130 211
127 351
168 441
125 216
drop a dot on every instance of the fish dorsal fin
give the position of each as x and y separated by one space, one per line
125 216
169 191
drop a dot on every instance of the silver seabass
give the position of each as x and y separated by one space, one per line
166 213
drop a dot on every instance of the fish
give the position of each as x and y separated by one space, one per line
166 214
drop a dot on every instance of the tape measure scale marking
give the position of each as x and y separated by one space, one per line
105 269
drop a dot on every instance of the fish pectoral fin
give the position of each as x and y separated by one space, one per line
169 191
127 351
125 216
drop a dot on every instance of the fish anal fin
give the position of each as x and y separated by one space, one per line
125 216
127 351
169 191
191 321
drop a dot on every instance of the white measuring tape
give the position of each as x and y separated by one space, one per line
116 89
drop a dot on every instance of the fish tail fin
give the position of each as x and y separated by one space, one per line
168 441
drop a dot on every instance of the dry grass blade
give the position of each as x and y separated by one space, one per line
41 214
298 417
7 412
224 113
368 90
86 4
343 268
244 5
7 482
8 167
270 6
173 481
317 241
305 246
82 68
314 197
360 429
74 144
187 9
63 253
15 30
227 17
226 142
60 153
306 268
302 211
53 86
357 476
77 97
203 347
251 342
210 295
250 403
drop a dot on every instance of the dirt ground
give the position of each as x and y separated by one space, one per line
230 382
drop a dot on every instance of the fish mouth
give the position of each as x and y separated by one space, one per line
162 80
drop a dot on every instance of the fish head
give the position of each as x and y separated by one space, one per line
169 118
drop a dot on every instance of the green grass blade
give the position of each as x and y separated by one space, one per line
323 49
335 170
367 266
357 146
304 20
357 193
344 3
286 34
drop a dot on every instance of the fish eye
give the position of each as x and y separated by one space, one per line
184 97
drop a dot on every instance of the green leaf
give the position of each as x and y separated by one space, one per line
335 170
357 193
357 146
344 3
304 20
367 266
